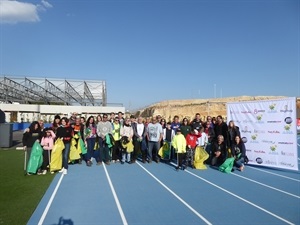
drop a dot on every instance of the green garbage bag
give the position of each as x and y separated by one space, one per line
227 166
165 151
36 158
81 147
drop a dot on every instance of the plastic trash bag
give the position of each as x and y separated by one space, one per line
227 166
128 147
36 158
81 147
56 155
200 156
165 151
74 151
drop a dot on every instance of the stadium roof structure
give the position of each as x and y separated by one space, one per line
52 91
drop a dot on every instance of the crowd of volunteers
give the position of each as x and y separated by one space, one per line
111 138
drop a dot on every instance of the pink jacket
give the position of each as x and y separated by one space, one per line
47 142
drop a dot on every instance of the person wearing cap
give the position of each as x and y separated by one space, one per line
179 144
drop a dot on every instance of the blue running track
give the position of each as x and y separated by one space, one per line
146 194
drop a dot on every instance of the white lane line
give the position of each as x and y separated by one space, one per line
41 221
275 174
298 144
173 193
265 185
244 200
298 158
115 197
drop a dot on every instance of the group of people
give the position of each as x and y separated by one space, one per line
111 138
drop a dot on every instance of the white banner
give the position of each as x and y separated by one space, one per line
269 131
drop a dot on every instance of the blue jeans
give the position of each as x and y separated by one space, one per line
90 147
239 162
104 150
66 153
153 148
126 156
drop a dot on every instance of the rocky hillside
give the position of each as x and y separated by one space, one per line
188 108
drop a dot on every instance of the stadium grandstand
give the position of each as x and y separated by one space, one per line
52 91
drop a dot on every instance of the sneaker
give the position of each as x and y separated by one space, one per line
242 168
28 174
52 172
88 163
107 163
65 171
113 161
122 162
62 170
99 163
44 172
39 173
144 161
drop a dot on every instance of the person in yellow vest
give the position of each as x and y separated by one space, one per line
117 137
179 144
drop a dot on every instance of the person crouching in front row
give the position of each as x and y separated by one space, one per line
219 152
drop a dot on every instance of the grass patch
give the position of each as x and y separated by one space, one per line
20 194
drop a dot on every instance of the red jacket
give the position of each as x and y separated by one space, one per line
191 139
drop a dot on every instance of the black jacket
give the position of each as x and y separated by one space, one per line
30 137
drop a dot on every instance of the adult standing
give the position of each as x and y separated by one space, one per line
117 137
104 128
221 128
30 136
175 124
65 133
139 142
196 124
154 136
233 131
90 137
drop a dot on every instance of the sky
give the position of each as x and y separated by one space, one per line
149 51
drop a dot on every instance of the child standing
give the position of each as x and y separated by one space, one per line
203 139
47 144
179 144
191 142
168 137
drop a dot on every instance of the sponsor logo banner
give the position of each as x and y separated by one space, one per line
269 131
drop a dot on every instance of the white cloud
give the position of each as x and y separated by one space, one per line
46 4
13 12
